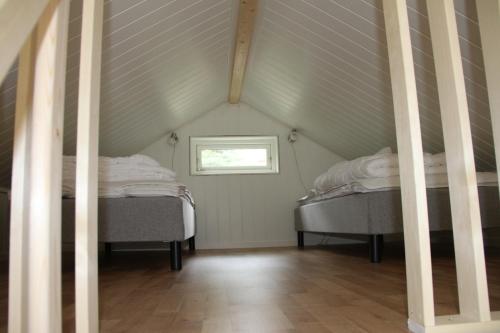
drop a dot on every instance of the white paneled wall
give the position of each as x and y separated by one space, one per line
245 210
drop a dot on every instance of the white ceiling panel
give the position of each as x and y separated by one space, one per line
318 65
321 66
164 63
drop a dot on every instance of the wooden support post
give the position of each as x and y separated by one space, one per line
17 19
469 252
37 176
86 242
19 213
246 21
488 12
413 191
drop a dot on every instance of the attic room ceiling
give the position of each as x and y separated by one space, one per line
164 63
321 66
318 65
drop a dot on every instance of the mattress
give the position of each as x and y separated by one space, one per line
380 212
377 184
136 219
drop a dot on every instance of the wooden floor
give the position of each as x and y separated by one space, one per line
274 290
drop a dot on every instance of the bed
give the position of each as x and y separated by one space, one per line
140 219
363 197
139 201
376 214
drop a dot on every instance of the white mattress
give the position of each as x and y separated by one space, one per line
366 185
135 189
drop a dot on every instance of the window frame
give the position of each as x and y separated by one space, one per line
270 143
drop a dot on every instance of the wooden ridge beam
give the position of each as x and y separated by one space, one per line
246 22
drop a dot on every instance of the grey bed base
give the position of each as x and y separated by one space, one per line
379 213
139 219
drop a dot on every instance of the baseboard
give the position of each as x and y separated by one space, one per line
158 246
244 245
313 239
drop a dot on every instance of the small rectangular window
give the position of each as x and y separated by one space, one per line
218 155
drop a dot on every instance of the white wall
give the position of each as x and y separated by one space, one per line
245 210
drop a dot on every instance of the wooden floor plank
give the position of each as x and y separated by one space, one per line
328 289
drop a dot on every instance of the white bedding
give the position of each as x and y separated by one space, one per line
381 165
120 169
390 183
132 188
380 172
133 176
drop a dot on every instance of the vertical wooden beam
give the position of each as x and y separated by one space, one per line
413 190
44 254
488 12
467 232
86 260
17 19
19 213
246 21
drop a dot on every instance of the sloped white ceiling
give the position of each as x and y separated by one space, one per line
318 65
163 64
322 66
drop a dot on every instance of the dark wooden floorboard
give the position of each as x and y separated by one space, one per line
333 289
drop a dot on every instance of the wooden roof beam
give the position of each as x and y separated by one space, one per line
246 20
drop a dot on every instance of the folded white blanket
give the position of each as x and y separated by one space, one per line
136 175
118 173
133 168
381 165
435 160
136 159
436 180
133 189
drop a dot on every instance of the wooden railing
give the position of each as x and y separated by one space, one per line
35 267
475 315
35 254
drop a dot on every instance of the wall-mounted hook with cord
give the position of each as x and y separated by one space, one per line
172 140
293 136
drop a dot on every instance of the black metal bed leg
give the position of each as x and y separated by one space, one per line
376 248
191 244
107 249
176 256
300 239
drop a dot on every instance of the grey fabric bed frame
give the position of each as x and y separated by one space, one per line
139 219
379 213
